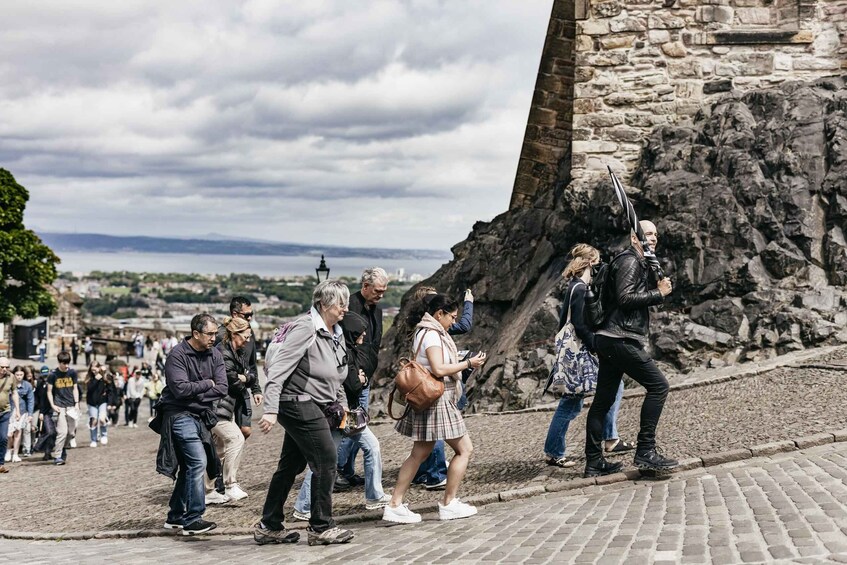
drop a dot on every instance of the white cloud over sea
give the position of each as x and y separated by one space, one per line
379 123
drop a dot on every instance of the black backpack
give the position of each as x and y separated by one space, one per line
598 297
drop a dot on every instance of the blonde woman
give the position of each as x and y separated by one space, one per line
578 275
229 441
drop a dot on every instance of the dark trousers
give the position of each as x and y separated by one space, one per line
132 405
308 440
619 356
4 430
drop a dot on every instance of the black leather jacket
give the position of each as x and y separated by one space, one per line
630 282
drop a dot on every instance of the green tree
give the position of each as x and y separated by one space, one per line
27 266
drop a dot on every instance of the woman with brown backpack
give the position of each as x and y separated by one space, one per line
436 352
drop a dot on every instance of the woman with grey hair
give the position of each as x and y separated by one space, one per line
305 365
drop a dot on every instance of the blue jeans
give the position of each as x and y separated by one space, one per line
4 433
188 501
434 468
568 409
348 449
101 420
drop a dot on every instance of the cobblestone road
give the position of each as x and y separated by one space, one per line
790 508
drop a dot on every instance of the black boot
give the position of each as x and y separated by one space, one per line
601 467
652 460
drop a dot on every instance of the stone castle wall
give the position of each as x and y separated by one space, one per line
612 71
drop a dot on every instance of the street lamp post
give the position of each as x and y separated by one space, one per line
322 270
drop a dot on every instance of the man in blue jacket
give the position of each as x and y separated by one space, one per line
195 377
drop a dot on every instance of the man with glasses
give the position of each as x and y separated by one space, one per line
195 377
241 307
8 400
365 302
63 396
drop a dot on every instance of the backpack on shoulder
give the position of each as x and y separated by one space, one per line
598 296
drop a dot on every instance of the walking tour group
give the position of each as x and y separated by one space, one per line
205 395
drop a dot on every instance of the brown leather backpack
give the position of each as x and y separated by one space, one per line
419 388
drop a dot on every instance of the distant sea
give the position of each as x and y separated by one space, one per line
262 265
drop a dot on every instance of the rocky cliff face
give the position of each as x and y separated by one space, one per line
751 203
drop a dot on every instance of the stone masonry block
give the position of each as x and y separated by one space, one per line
593 28
840 435
595 147
628 24
611 479
753 16
617 41
607 9
813 440
663 21
767 449
726 457
719 14
658 36
689 464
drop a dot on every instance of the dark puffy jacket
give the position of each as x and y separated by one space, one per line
236 363
630 285
373 339
353 325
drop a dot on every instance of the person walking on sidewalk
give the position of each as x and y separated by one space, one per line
229 441
97 399
578 274
355 327
19 429
436 351
153 390
306 365
134 394
365 303
63 395
9 402
195 378
620 346
241 308
88 349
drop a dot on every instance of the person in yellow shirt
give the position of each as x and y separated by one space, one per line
152 389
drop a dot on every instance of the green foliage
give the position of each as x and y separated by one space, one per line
282 312
108 306
27 266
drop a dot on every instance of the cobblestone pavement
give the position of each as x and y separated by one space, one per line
116 487
789 508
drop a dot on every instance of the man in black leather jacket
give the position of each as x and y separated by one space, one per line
620 347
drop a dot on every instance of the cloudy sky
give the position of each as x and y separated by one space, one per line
378 123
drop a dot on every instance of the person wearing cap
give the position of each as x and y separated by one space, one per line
9 402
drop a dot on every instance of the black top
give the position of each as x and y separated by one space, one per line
63 387
373 338
96 392
633 291
576 290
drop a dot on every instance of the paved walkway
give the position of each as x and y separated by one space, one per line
788 508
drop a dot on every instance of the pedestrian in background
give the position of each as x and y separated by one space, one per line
19 430
134 393
9 402
63 395
97 399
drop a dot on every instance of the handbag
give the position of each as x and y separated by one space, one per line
419 388
575 368
357 421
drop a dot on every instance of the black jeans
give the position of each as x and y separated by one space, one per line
132 410
619 356
308 440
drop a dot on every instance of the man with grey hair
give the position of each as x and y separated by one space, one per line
365 302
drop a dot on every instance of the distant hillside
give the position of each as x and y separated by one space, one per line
92 242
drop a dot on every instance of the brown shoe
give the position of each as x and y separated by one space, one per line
3 469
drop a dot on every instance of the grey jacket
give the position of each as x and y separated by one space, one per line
311 360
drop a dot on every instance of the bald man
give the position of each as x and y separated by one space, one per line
620 345
9 401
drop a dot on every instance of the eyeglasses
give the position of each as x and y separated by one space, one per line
208 334
4 366
245 315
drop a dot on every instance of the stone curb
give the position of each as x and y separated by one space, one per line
575 485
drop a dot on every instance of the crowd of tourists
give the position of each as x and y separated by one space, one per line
318 371
42 411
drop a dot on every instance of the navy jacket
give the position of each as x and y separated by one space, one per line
194 380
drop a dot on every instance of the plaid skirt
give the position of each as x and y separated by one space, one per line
442 420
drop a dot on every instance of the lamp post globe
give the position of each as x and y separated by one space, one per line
322 271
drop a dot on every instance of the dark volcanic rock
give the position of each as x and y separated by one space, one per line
751 203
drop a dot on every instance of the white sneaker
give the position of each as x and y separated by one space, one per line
234 492
400 515
304 516
456 509
104 440
378 503
16 459
73 443
92 444
215 497
8 456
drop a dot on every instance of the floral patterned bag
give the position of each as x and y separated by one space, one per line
574 371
